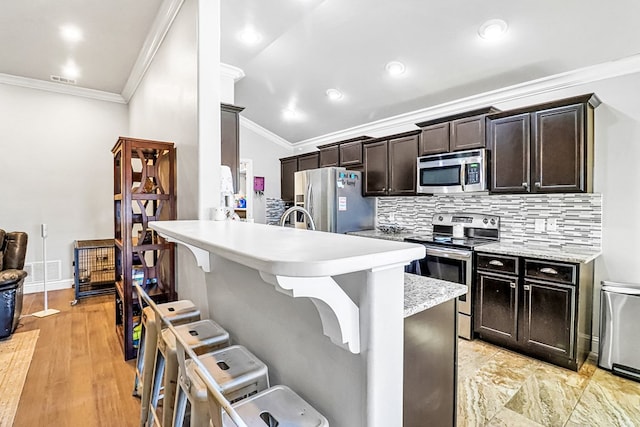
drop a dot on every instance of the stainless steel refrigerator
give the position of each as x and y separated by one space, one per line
333 197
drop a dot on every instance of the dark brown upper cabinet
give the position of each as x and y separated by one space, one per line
351 153
288 167
546 148
390 165
347 153
463 131
308 161
329 156
435 139
229 139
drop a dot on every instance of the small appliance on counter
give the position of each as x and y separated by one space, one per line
458 172
333 198
450 255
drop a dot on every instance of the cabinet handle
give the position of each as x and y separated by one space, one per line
384 188
548 270
527 287
537 185
525 185
496 263
513 285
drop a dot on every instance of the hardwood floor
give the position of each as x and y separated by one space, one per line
78 376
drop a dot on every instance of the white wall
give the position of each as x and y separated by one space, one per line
265 153
165 107
57 168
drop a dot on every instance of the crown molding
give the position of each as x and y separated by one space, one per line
267 134
232 72
61 88
161 24
406 121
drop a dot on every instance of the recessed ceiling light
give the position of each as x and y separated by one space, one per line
70 33
334 94
250 36
290 114
493 29
395 68
70 70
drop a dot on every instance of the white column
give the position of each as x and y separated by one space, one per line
382 321
209 157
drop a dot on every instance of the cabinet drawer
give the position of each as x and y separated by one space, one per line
497 263
553 271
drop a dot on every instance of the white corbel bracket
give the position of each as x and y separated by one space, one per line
202 256
340 316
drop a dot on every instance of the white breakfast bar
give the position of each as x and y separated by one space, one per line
334 330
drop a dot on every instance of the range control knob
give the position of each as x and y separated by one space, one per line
493 221
485 220
440 218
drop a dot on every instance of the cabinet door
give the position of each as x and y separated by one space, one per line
351 153
548 318
288 167
229 147
559 149
495 308
434 139
467 133
403 155
329 156
308 161
375 169
509 141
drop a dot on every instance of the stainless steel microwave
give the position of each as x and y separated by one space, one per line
459 172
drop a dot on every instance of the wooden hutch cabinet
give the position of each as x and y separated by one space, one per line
144 190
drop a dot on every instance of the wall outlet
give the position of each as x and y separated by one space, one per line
552 224
539 225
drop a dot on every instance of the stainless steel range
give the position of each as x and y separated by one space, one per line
450 255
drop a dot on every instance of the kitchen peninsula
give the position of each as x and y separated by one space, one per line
349 288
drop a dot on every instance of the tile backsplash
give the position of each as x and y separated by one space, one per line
578 216
273 210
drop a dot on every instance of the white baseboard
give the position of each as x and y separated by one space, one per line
51 286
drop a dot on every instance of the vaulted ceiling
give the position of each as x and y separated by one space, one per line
306 47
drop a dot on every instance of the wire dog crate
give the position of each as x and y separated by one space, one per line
93 268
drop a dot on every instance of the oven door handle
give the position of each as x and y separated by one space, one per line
449 253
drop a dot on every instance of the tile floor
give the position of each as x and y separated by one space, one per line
497 387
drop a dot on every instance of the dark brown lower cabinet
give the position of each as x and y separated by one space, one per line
430 367
497 312
542 309
548 318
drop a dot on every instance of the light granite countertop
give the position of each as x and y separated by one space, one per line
422 293
377 234
564 253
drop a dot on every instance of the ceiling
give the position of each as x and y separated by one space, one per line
309 46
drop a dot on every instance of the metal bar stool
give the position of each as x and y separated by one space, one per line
176 312
238 373
201 337
276 406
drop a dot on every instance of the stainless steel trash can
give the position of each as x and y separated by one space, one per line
619 349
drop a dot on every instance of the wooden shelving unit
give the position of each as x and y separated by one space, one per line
144 190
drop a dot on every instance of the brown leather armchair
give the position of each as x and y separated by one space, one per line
13 250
